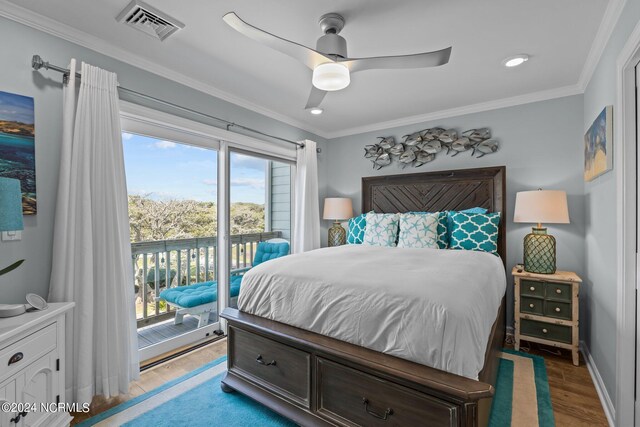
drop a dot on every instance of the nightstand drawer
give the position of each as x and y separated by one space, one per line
558 291
531 288
531 305
561 310
547 331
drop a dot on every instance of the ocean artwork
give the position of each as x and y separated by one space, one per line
598 149
17 145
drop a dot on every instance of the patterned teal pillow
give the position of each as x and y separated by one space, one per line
357 225
475 232
443 235
418 231
450 221
381 230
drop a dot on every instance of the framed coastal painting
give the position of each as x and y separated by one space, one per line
17 145
598 145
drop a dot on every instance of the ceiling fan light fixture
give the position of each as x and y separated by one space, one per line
331 76
514 61
316 111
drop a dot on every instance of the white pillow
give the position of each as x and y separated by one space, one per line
382 230
418 231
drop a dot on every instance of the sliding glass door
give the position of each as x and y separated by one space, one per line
259 211
201 210
172 190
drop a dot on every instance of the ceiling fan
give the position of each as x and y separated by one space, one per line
331 67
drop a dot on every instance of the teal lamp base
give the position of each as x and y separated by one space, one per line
539 252
337 235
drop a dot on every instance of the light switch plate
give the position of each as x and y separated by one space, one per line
8 236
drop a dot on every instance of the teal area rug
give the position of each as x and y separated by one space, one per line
522 394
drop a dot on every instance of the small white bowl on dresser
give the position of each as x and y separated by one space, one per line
32 368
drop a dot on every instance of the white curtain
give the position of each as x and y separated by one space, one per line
92 252
306 235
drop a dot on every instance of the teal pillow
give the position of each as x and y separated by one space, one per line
474 231
450 221
269 250
357 226
443 236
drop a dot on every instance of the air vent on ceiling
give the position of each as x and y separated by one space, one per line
149 20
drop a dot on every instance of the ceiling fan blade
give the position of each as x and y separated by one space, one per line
315 98
308 56
418 60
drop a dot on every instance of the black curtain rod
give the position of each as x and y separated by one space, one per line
37 63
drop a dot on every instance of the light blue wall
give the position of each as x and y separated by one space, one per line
16 76
541 146
599 312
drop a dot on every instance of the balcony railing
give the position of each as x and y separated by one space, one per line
169 263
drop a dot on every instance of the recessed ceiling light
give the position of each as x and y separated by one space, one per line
514 61
316 111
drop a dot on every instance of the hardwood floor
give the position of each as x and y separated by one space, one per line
573 395
156 376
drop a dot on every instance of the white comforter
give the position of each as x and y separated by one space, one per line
434 307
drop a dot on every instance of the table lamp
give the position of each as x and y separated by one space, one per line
337 209
541 206
10 212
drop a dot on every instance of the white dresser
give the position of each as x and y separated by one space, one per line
32 366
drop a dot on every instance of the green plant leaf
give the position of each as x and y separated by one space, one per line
11 267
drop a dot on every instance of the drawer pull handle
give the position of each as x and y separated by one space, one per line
533 288
557 309
558 291
544 330
15 359
260 361
384 417
531 306
17 418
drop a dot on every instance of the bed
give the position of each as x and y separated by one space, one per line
317 373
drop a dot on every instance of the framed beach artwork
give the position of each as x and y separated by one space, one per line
17 145
598 145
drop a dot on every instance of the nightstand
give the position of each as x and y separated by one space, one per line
546 309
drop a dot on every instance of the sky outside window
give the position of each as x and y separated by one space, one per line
166 170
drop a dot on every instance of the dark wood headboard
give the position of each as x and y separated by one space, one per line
440 191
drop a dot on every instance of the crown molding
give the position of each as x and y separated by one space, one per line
460 111
50 26
34 20
607 25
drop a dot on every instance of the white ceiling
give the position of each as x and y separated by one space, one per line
556 34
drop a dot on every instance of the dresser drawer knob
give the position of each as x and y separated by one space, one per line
557 309
532 288
260 361
531 306
544 330
558 291
16 358
383 417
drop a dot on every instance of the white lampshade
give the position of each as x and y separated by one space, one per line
541 206
337 208
331 76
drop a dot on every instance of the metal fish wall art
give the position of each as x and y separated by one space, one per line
485 147
382 160
413 139
421 147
